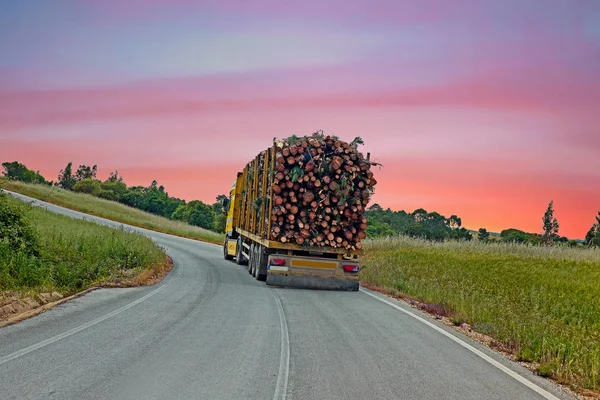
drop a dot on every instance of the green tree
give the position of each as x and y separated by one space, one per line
550 225
220 219
112 190
592 238
202 216
86 172
483 235
66 180
375 208
454 222
196 213
114 177
16 171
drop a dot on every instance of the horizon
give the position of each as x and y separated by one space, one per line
484 110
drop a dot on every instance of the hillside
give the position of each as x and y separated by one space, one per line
110 210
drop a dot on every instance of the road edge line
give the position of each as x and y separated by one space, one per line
542 392
60 336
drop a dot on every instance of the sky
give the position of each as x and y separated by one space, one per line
484 109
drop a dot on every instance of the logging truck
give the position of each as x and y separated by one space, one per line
295 213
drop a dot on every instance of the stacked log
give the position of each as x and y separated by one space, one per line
320 188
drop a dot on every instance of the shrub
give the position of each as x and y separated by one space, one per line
89 186
15 229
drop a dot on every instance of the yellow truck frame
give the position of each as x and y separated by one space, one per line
248 211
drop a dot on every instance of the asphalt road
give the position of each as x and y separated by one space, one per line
210 331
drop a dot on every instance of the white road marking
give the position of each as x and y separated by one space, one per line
501 367
284 359
54 339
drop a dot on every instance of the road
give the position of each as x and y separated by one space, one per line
210 331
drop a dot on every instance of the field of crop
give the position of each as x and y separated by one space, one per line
71 255
111 210
543 303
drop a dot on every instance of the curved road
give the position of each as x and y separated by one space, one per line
210 331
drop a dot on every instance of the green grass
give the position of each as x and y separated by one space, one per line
111 210
541 302
74 255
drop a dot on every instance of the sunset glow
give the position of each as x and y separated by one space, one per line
484 109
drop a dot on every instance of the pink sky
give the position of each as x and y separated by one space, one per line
487 110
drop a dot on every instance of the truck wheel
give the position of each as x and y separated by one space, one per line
252 260
225 253
260 262
253 271
239 257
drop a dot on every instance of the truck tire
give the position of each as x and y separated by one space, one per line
239 257
252 260
260 264
225 254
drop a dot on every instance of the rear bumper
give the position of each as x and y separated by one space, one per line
312 282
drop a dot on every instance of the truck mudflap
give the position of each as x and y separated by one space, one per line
312 282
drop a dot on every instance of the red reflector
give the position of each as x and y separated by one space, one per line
351 268
278 262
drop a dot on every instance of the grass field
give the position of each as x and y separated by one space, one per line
74 255
543 303
110 210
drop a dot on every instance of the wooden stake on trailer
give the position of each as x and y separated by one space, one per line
271 180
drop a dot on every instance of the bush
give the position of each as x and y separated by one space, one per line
15 230
89 186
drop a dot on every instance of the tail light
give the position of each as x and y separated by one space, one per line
351 268
278 262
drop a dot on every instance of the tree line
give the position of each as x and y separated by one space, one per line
419 223
153 198
436 227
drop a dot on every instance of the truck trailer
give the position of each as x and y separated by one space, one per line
295 213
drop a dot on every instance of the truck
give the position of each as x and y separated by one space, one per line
253 237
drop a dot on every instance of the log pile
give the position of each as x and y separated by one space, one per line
320 189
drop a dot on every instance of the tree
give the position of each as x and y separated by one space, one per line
550 225
375 208
16 171
114 177
418 214
220 219
483 235
593 236
86 172
66 180
195 213
112 190
454 222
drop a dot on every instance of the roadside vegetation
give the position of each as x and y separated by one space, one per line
41 251
112 210
541 302
153 199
